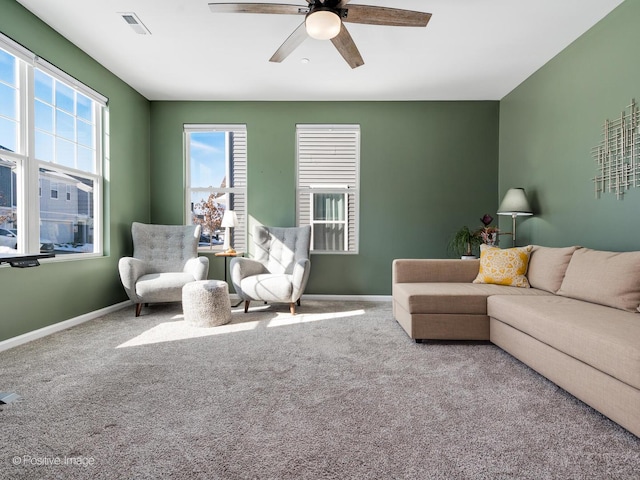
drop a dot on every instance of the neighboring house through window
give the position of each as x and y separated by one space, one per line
328 158
216 164
51 140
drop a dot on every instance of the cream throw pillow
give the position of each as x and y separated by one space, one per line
504 267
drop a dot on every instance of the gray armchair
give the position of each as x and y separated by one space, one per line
165 258
279 270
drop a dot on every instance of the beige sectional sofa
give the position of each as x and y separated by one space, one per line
578 324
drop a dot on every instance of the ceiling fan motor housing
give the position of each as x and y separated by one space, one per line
323 23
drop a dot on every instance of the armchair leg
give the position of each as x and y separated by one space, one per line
246 305
292 308
298 302
138 309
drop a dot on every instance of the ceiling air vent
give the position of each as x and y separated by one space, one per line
135 23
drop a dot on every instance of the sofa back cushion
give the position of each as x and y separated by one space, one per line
606 278
547 267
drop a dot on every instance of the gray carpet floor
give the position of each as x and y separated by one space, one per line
336 392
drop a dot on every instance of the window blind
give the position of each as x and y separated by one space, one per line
328 162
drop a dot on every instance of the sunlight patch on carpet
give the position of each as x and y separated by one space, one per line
287 319
179 330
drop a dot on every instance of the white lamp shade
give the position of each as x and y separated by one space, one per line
230 219
515 203
323 24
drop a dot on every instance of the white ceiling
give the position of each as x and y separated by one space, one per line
470 50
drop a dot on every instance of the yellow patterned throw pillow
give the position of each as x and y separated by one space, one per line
504 267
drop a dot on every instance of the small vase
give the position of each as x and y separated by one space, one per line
490 238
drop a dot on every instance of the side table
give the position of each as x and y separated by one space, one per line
226 256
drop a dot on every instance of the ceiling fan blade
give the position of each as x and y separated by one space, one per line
386 16
290 44
276 8
347 48
331 3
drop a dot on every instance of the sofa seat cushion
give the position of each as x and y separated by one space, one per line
452 298
606 338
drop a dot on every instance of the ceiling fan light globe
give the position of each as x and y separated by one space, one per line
323 24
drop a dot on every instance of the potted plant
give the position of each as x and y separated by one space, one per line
488 233
464 242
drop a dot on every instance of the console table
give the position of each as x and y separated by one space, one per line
23 260
226 255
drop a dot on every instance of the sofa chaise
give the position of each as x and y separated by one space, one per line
575 321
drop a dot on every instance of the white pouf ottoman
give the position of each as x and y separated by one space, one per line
205 303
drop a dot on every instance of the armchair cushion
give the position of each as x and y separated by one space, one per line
269 287
162 287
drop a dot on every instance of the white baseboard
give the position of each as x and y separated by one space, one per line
57 327
72 322
349 298
344 298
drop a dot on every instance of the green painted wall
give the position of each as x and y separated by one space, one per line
548 126
426 168
37 297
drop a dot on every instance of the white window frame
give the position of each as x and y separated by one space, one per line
319 150
29 187
240 155
333 190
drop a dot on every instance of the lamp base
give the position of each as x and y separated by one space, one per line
227 241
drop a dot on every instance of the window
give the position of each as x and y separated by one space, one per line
51 131
328 181
329 219
216 165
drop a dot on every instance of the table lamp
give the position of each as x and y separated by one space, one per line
229 221
516 204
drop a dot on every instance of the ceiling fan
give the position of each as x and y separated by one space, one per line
324 20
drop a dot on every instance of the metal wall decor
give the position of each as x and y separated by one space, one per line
618 155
